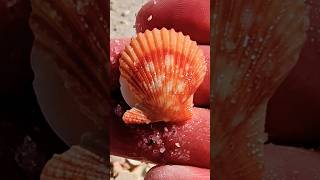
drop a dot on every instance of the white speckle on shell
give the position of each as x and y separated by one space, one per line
159 81
169 59
187 66
175 108
169 86
150 67
181 86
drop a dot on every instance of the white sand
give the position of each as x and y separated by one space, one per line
123 17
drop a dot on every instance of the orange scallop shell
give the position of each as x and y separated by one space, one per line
256 44
160 72
75 164
73 35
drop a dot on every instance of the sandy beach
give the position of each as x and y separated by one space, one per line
123 16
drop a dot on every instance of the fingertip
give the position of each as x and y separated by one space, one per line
202 95
187 143
173 172
117 46
192 17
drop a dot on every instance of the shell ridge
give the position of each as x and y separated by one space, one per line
80 60
257 51
158 56
155 56
73 17
141 69
135 116
155 77
179 71
165 50
175 56
62 57
77 163
195 66
177 59
150 42
151 77
186 63
135 71
241 53
134 85
192 65
281 41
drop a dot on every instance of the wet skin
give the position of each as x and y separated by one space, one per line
158 142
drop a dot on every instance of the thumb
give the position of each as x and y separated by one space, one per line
191 17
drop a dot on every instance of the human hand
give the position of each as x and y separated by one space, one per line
166 14
190 142
187 144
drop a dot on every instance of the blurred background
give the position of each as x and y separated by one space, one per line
27 141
